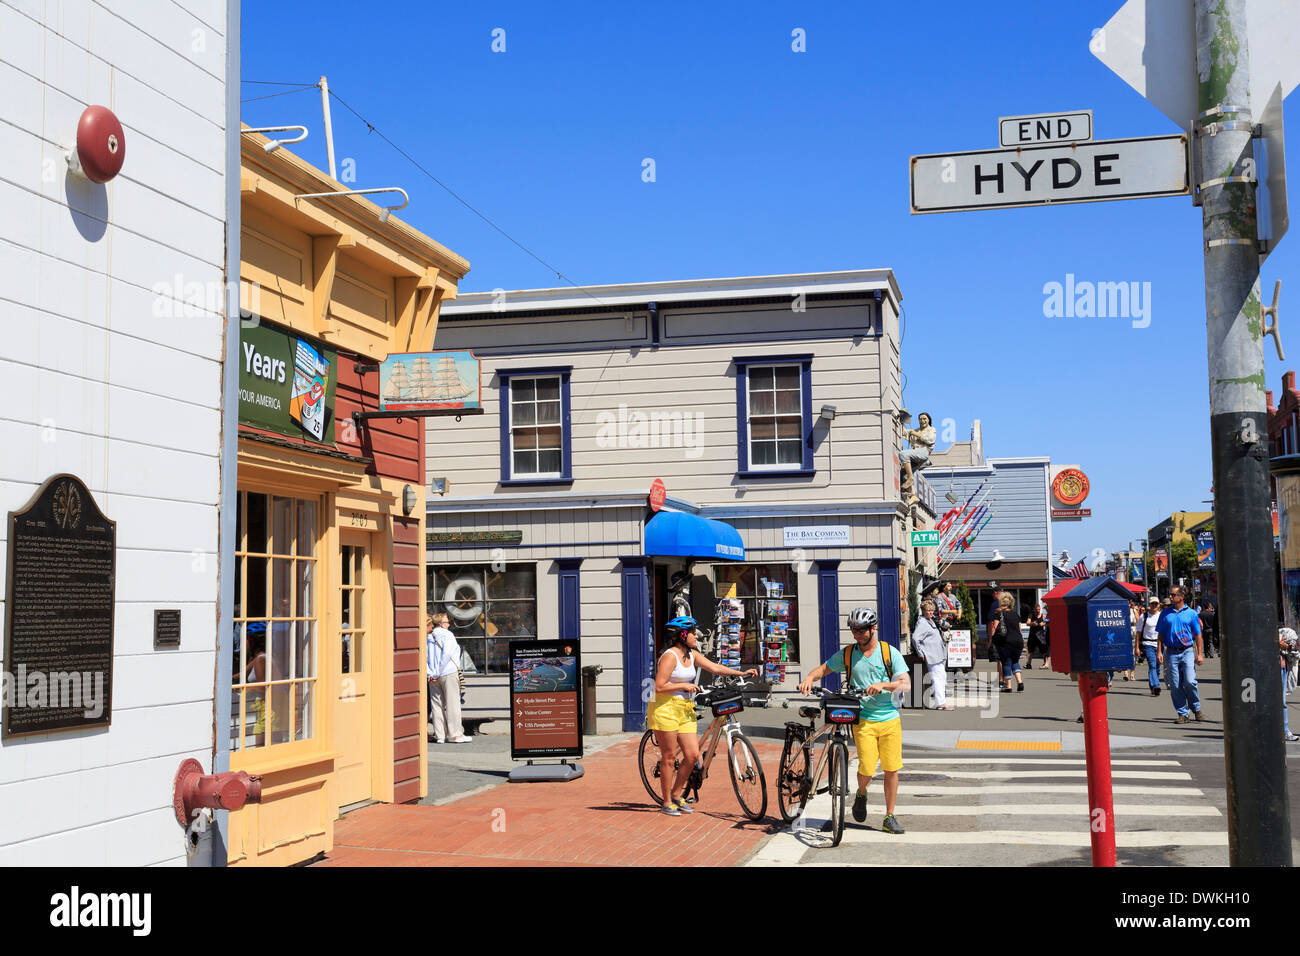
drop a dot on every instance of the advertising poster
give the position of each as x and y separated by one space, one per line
1205 549
286 383
413 381
1162 561
959 649
545 707
1136 569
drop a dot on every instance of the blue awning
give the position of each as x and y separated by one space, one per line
680 535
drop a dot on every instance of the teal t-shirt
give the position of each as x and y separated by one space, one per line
871 670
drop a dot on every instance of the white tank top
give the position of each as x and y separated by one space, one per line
682 674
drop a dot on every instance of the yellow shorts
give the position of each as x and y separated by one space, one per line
879 740
670 713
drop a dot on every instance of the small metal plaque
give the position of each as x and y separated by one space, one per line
167 628
59 612
472 537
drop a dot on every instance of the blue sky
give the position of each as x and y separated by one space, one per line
773 161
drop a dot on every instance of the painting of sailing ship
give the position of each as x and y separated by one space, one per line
412 381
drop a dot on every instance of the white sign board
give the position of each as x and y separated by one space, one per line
1040 175
817 536
1042 128
1151 46
959 649
1271 171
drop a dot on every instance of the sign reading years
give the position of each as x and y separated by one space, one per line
545 710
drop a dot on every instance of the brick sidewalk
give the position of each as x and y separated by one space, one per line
605 818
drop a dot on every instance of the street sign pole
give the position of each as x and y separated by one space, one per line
1259 830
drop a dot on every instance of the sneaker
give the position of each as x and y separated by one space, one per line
1183 719
860 808
1197 715
891 825
1019 688
462 739
1155 691
670 809
1291 737
685 807
1158 690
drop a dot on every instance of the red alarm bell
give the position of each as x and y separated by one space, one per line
101 145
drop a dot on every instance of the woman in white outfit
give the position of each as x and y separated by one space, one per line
928 642
443 674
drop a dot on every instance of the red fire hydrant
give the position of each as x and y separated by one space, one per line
195 789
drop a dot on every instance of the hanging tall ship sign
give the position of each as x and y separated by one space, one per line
416 383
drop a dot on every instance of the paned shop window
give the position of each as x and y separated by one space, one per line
276 622
487 608
744 581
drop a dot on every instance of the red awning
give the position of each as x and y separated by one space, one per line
1135 588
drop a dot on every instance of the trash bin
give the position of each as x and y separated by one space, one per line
589 674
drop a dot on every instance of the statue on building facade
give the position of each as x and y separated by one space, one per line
922 439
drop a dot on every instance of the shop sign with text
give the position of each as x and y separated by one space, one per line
286 383
816 536
545 709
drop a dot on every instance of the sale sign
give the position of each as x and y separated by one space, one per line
959 649
545 709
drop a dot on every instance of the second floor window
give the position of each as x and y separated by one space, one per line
536 430
535 435
775 416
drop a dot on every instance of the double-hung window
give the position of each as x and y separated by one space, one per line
774 415
535 426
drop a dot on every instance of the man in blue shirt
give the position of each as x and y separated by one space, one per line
1180 633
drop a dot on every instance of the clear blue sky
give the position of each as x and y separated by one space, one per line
772 161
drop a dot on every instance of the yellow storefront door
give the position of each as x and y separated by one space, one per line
352 709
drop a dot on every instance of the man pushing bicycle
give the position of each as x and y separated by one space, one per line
878 670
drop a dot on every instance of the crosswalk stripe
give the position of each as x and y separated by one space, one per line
1038 774
1133 839
983 789
909 759
1122 811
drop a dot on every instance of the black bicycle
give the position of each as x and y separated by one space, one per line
725 699
794 783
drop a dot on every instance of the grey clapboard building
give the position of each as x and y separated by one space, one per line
767 406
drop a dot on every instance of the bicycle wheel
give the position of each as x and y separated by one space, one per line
838 773
747 777
648 756
792 779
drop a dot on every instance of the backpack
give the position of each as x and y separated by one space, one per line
884 654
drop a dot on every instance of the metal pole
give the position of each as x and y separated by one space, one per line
1259 829
1096 749
329 127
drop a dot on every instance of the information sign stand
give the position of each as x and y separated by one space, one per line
545 710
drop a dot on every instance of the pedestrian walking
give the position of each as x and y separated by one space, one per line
442 671
1006 638
1209 632
1179 628
1146 644
1037 639
927 640
947 607
1287 644
1134 613
878 735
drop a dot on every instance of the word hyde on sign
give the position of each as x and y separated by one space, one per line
1038 175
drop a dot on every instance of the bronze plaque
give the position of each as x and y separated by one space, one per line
58 666
167 628
472 537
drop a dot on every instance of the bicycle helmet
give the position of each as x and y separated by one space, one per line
674 629
862 617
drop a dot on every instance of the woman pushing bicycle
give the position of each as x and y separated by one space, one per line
671 715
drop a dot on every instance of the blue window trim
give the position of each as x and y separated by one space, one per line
828 615
570 597
504 375
742 363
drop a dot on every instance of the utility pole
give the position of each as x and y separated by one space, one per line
1259 829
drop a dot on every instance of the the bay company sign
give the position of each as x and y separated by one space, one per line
286 383
816 535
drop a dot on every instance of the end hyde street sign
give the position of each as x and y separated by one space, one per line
1041 175
1043 128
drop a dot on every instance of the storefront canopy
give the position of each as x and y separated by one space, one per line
680 535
